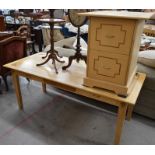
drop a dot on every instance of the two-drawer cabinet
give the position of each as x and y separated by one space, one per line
113 45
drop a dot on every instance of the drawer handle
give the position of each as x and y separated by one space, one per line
107 68
110 36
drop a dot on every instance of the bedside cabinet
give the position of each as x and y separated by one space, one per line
113 45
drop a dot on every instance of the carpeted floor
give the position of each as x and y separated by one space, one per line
58 117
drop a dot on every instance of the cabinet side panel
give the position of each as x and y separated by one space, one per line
135 49
89 42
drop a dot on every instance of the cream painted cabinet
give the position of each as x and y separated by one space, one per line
113 45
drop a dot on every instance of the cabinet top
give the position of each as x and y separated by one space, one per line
120 14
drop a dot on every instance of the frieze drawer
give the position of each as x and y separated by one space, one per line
108 66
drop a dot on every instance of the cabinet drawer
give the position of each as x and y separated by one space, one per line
112 35
107 66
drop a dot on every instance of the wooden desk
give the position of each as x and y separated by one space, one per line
72 80
5 34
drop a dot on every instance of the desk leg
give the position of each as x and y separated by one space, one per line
44 87
120 120
17 89
129 112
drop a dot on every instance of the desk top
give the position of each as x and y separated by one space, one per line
72 78
120 14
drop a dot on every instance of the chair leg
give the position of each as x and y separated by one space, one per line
5 81
28 79
33 51
33 48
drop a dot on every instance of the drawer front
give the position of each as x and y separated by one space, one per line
112 35
107 66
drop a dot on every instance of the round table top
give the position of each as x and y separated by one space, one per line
52 20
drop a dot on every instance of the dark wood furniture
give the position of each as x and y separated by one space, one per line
13 26
6 34
11 49
35 16
52 54
2 23
25 31
77 21
38 37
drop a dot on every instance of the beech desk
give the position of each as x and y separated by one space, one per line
72 80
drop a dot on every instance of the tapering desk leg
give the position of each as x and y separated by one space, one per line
120 120
129 112
44 87
17 89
